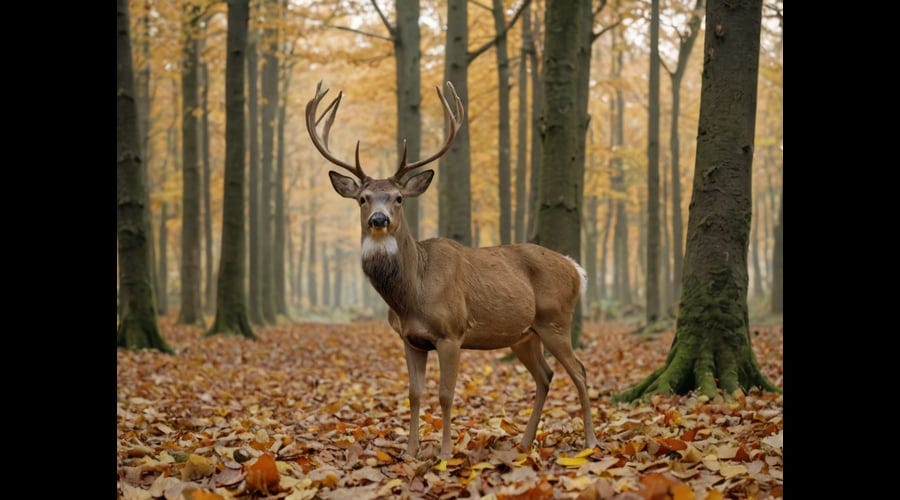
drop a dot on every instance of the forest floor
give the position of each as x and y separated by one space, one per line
321 411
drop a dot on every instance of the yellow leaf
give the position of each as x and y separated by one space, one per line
483 465
441 466
732 470
585 453
578 483
389 486
571 461
681 492
197 467
382 456
454 462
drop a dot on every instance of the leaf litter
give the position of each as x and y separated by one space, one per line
321 411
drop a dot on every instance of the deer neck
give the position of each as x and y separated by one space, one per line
392 263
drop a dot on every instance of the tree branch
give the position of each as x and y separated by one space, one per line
481 50
387 24
361 32
479 4
687 43
600 33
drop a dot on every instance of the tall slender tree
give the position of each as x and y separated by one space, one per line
144 101
137 327
191 304
454 183
280 250
231 303
522 130
561 186
711 348
676 77
653 237
504 139
207 188
778 260
269 91
254 299
621 273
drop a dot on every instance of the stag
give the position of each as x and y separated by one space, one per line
444 296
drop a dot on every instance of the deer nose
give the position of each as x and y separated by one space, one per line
378 221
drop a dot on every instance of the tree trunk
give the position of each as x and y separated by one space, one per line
311 285
758 291
537 113
409 96
301 259
684 53
280 212
665 274
191 305
138 327
326 277
621 276
207 189
503 131
256 221
562 178
455 211
711 348
269 91
144 101
778 260
162 275
590 251
522 130
652 289
231 296
338 278
602 291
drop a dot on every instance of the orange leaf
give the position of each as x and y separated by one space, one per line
263 475
667 445
656 486
382 456
682 492
714 495
742 455
202 495
689 435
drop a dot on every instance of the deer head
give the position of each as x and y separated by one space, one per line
380 200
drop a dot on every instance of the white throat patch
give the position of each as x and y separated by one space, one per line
372 246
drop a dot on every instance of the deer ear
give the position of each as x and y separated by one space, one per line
418 183
345 186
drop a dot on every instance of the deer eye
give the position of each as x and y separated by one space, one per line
399 200
362 200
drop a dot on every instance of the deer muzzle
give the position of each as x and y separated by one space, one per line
379 220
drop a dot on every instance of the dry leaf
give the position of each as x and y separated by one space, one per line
263 476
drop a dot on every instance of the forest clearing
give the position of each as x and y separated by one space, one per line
584 222
327 404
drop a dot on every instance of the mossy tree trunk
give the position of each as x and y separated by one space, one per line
191 306
231 303
254 301
711 348
269 93
137 327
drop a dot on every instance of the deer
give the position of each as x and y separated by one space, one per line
443 296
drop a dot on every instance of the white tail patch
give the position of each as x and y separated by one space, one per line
371 246
582 274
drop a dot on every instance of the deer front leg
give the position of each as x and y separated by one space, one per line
448 357
415 364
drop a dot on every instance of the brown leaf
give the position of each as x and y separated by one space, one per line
263 477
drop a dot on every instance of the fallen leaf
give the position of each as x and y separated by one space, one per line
571 461
730 471
383 457
262 476
197 467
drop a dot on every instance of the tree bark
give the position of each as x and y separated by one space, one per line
162 274
778 260
537 113
652 288
231 296
326 277
684 53
711 348
503 131
144 102
406 39
621 276
558 223
138 327
311 285
191 304
207 189
338 278
280 239
758 291
590 251
522 130
269 91
454 183
254 304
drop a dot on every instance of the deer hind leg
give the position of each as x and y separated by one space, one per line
415 363
531 353
448 357
557 338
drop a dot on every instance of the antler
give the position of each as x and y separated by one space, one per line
454 122
321 143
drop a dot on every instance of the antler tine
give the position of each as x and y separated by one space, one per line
454 121
321 143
